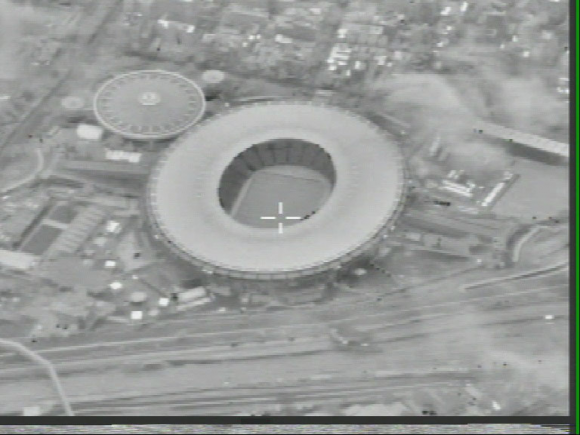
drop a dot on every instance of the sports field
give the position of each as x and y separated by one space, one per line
300 190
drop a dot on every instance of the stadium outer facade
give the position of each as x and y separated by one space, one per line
184 212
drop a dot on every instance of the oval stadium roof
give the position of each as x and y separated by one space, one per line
370 182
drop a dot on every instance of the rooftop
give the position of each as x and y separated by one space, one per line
149 105
185 207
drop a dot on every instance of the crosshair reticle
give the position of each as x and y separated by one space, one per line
281 218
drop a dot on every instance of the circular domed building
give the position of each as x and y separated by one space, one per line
149 105
283 191
73 103
213 77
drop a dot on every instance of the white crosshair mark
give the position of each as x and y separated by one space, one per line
281 216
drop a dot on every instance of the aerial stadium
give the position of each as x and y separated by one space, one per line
278 191
149 105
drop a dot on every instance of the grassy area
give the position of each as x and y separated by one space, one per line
17 164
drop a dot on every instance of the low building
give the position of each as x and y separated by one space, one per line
109 169
126 206
454 245
532 141
90 132
221 290
302 296
17 260
243 18
259 299
186 296
298 31
301 22
86 150
67 314
19 218
78 232
71 272
497 231
123 156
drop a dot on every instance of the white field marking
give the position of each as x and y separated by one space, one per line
280 213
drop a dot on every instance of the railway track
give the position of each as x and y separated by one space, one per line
397 333
220 402
385 328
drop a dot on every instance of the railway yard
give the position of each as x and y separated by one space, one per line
465 333
453 296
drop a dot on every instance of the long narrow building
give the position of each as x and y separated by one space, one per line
526 139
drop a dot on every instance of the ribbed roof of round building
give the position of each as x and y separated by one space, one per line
149 105
185 210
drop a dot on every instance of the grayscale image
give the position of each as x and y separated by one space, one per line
277 429
284 208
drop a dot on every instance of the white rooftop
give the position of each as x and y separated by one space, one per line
89 132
